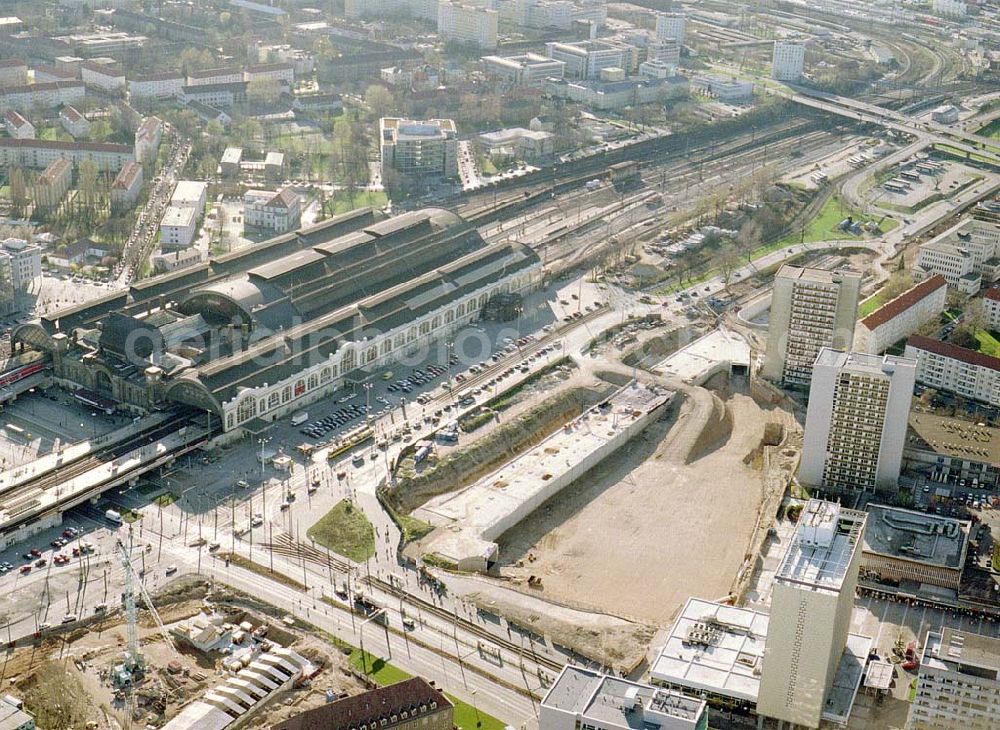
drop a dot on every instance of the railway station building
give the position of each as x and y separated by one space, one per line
252 335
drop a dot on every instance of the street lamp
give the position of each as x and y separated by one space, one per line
475 706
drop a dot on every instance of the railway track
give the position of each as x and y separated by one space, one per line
285 546
17 493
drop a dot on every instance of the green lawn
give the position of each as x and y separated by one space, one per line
824 226
346 531
988 342
991 130
870 304
343 203
414 529
487 166
384 674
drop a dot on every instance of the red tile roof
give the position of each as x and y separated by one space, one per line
993 293
374 706
904 301
946 349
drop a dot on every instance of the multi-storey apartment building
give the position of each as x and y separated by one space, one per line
17 126
811 604
948 367
52 184
24 261
958 685
810 309
428 147
788 60
856 422
39 153
671 27
156 86
126 186
459 22
102 76
902 316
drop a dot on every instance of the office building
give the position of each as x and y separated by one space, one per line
729 90
788 60
950 8
523 144
902 316
856 422
581 698
459 22
586 59
52 185
528 69
810 309
811 603
671 27
406 705
274 211
428 147
946 367
25 263
914 547
178 226
958 684
666 51
949 450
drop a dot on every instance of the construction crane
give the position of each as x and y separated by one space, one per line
134 666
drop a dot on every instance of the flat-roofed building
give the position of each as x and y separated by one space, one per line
126 186
788 60
459 22
178 226
958 683
953 369
903 545
428 147
527 69
950 450
856 421
524 144
671 27
24 261
812 599
810 309
715 651
274 166
581 697
229 163
902 316
586 59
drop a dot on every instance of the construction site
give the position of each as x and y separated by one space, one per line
203 658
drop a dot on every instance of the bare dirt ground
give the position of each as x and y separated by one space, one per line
651 517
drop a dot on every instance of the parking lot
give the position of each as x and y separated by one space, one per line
40 422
